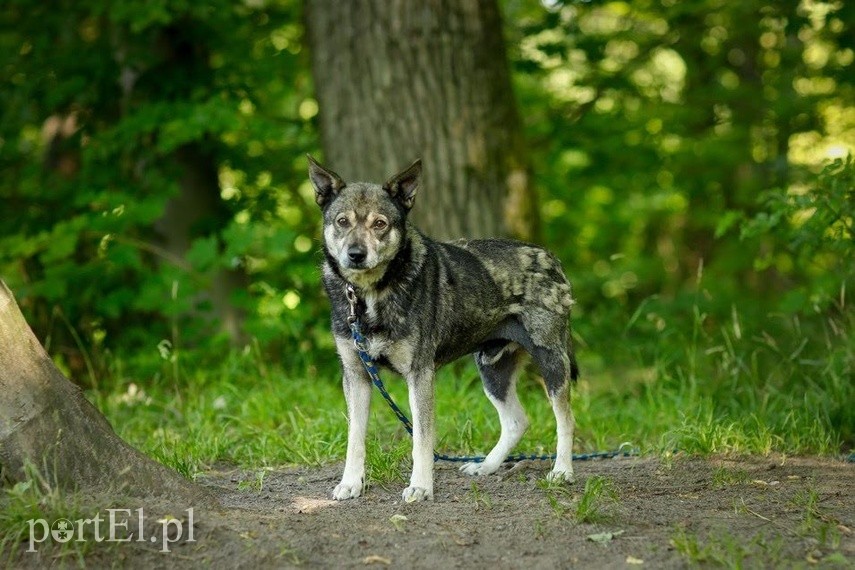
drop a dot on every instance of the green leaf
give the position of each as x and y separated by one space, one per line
203 253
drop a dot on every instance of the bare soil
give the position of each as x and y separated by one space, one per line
771 512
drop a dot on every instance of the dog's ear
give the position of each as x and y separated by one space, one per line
326 182
404 185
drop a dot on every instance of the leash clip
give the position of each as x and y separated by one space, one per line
353 321
352 300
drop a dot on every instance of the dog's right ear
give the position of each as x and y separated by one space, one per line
326 182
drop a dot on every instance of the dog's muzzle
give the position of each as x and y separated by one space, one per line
356 256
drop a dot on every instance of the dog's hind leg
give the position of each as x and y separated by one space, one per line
563 468
499 369
557 369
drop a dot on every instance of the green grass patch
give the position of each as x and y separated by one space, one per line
724 549
724 477
33 508
710 390
597 497
594 504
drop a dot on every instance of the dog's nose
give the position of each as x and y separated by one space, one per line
357 253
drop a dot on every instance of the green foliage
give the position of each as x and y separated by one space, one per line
114 111
687 159
654 127
815 229
596 497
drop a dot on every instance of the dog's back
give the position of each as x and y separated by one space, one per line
528 276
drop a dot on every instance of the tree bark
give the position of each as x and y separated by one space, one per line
402 79
46 421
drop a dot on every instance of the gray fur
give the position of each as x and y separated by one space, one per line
424 303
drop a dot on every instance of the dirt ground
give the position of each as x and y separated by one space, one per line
768 512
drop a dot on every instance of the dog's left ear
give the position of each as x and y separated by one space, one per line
404 185
326 182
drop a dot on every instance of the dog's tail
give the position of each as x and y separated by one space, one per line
574 367
571 354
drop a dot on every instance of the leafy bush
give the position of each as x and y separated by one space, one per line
809 234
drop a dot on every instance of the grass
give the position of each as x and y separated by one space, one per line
593 505
599 494
722 548
716 389
815 522
713 390
479 498
724 477
725 393
25 503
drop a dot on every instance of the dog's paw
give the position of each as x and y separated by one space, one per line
561 474
415 494
345 491
481 468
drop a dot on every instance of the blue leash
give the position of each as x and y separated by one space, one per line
371 368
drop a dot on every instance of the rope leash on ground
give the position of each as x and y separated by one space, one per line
625 450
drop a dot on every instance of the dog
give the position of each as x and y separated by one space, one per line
422 303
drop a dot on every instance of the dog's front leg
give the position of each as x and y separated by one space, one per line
357 393
420 385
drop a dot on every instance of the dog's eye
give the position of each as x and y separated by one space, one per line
380 225
342 222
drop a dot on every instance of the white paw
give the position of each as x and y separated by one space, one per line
414 494
561 474
345 491
481 468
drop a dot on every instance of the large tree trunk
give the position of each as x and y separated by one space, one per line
46 421
402 79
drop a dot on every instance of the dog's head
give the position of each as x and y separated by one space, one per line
364 224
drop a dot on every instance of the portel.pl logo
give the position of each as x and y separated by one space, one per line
115 529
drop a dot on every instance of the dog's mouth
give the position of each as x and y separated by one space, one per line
362 273
361 265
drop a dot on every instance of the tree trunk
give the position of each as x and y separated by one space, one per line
402 79
195 212
46 421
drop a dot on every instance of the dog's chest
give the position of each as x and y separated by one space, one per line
384 344
398 353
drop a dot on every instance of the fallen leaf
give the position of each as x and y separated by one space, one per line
604 537
634 560
374 559
398 521
310 504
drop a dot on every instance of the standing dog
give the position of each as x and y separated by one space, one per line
423 303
